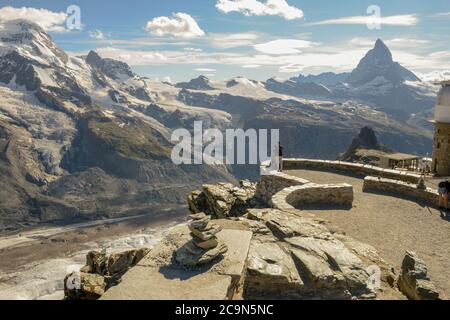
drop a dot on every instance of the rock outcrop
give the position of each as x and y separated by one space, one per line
100 273
365 148
297 257
223 199
293 255
414 281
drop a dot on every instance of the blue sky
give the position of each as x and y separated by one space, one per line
253 38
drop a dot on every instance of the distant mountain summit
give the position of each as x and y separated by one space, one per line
378 62
298 89
364 148
199 83
326 78
112 68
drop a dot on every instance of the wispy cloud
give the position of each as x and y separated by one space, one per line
232 40
259 8
179 25
291 56
205 70
397 20
97 34
400 43
50 21
441 14
283 46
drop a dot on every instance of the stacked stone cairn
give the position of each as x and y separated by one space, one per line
204 246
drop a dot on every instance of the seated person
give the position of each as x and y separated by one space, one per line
443 189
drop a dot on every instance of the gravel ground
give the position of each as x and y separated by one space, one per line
392 225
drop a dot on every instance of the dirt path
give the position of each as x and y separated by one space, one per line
392 225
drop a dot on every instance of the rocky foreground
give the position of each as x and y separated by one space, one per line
288 255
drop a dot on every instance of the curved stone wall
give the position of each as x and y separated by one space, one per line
272 182
292 197
401 188
349 167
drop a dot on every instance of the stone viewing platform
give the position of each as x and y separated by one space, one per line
300 234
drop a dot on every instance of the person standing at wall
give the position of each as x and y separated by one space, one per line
443 189
280 157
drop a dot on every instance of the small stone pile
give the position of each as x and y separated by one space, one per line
204 246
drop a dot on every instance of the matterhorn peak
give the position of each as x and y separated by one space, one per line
380 44
381 50
379 64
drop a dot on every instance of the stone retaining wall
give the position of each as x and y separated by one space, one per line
270 184
401 188
349 167
293 197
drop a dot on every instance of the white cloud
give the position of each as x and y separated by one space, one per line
155 56
441 14
291 68
48 20
205 70
283 46
97 34
232 40
179 25
192 49
391 43
316 58
258 8
398 20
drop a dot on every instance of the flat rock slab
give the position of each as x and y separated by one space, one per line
148 283
158 276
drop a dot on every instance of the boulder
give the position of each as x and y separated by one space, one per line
120 262
331 267
414 281
84 286
271 273
100 273
285 225
197 202
96 262
223 199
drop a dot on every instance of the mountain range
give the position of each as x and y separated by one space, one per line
84 137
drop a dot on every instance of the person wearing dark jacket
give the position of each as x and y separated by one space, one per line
280 155
443 190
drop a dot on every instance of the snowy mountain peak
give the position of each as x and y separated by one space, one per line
380 46
243 82
378 63
116 70
30 41
199 83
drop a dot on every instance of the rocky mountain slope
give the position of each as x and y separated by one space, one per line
78 139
